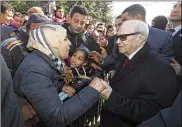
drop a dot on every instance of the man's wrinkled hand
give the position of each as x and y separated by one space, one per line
28 112
176 66
69 90
105 94
97 84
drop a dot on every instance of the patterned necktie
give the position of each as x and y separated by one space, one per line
125 62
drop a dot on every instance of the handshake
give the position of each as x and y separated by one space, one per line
102 87
98 84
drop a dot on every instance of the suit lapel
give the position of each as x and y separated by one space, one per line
177 44
133 64
178 35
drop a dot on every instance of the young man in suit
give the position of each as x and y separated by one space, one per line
176 19
159 40
140 85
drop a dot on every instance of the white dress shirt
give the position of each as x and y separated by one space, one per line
176 29
131 56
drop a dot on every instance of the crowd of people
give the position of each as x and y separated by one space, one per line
55 67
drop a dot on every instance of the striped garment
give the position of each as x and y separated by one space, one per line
39 42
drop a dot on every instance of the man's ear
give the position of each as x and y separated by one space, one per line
142 38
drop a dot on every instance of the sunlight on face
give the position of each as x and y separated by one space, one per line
129 45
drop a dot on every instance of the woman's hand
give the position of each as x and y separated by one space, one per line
69 90
28 112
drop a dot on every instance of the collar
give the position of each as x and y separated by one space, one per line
176 29
131 56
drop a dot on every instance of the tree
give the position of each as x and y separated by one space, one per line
21 6
100 10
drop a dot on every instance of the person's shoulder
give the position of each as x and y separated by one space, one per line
159 60
11 43
160 32
37 60
65 25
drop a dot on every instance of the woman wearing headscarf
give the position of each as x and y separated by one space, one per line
39 78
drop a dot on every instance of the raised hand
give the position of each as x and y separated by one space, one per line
96 56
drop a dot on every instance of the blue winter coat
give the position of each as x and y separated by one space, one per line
38 81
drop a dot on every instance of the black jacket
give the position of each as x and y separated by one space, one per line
14 50
38 81
169 117
10 110
146 85
177 42
81 39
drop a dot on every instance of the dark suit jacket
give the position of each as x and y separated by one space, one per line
177 42
145 86
161 41
10 110
170 117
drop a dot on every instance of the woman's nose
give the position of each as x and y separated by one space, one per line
69 43
118 41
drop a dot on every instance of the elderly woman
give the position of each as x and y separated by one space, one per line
39 78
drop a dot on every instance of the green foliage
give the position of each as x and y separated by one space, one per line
100 10
21 6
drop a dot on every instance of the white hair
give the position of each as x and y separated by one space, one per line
139 27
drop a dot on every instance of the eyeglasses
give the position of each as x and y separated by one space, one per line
123 37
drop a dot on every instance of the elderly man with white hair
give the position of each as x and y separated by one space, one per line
143 84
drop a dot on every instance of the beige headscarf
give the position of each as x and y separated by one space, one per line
47 39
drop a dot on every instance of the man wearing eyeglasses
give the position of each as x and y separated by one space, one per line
143 83
159 40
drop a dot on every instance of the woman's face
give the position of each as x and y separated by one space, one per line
64 48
